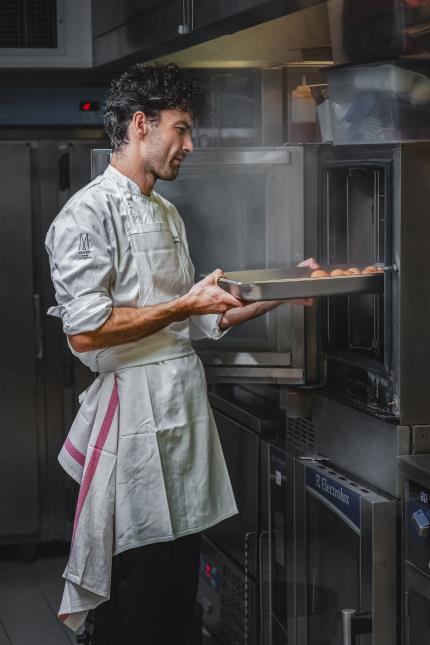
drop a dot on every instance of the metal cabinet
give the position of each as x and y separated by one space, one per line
39 380
109 14
19 480
235 565
152 30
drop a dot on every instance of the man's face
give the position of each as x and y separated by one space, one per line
166 144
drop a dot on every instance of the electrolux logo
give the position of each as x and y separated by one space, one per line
346 501
328 488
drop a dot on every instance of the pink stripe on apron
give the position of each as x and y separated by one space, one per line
74 452
95 455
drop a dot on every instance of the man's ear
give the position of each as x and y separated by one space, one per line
140 124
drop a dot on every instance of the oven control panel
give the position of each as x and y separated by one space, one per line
210 573
417 526
229 597
421 523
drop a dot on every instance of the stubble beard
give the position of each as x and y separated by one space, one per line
159 164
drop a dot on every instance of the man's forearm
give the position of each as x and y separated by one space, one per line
127 324
240 315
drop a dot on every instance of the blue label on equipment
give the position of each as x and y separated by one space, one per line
342 498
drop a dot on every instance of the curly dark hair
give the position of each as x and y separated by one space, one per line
149 88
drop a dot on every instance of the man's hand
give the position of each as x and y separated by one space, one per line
311 263
235 316
206 297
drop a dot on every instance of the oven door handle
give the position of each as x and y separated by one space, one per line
353 625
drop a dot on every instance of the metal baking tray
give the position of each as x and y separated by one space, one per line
284 284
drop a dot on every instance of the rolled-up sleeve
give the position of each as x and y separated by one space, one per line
207 326
80 255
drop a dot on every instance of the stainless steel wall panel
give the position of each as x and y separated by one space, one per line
100 159
19 485
272 115
362 444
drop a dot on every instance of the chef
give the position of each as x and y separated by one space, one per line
144 447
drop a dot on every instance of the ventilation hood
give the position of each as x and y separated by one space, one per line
272 34
299 38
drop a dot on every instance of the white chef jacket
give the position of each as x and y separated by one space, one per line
144 445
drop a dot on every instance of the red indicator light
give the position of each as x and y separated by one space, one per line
89 106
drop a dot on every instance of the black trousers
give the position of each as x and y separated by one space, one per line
153 592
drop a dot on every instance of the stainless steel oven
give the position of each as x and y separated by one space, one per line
346 571
416 544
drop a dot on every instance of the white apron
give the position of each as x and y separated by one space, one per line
144 446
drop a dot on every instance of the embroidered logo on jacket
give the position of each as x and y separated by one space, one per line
84 252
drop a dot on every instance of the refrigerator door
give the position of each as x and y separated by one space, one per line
21 348
348 571
417 605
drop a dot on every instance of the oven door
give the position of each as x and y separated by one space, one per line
357 220
417 605
347 574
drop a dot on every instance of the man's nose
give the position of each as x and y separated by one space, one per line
188 144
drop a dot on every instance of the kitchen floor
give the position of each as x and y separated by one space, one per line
30 595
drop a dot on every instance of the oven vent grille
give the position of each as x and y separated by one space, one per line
301 432
28 24
237 609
